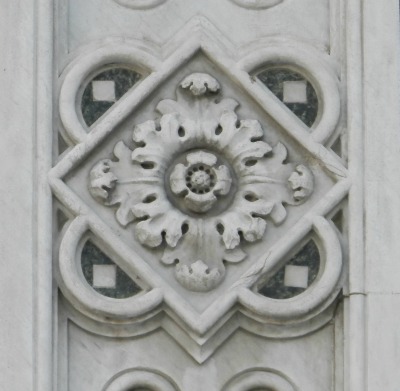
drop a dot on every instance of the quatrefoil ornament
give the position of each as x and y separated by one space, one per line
200 187
200 182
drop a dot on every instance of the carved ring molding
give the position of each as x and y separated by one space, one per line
140 379
315 69
257 4
119 53
257 379
140 4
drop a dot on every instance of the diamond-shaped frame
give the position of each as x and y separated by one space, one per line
203 331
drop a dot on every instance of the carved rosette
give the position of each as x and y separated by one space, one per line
200 182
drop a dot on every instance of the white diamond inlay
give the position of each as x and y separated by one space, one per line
295 91
103 90
296 276
104 276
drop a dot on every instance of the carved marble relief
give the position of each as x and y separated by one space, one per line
200 184
201 180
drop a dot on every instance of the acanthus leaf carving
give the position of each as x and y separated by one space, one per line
200 182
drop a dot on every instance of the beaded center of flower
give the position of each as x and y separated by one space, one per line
200 179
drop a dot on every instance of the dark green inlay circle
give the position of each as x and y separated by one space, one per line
308 256
274 79
92 255
124 80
